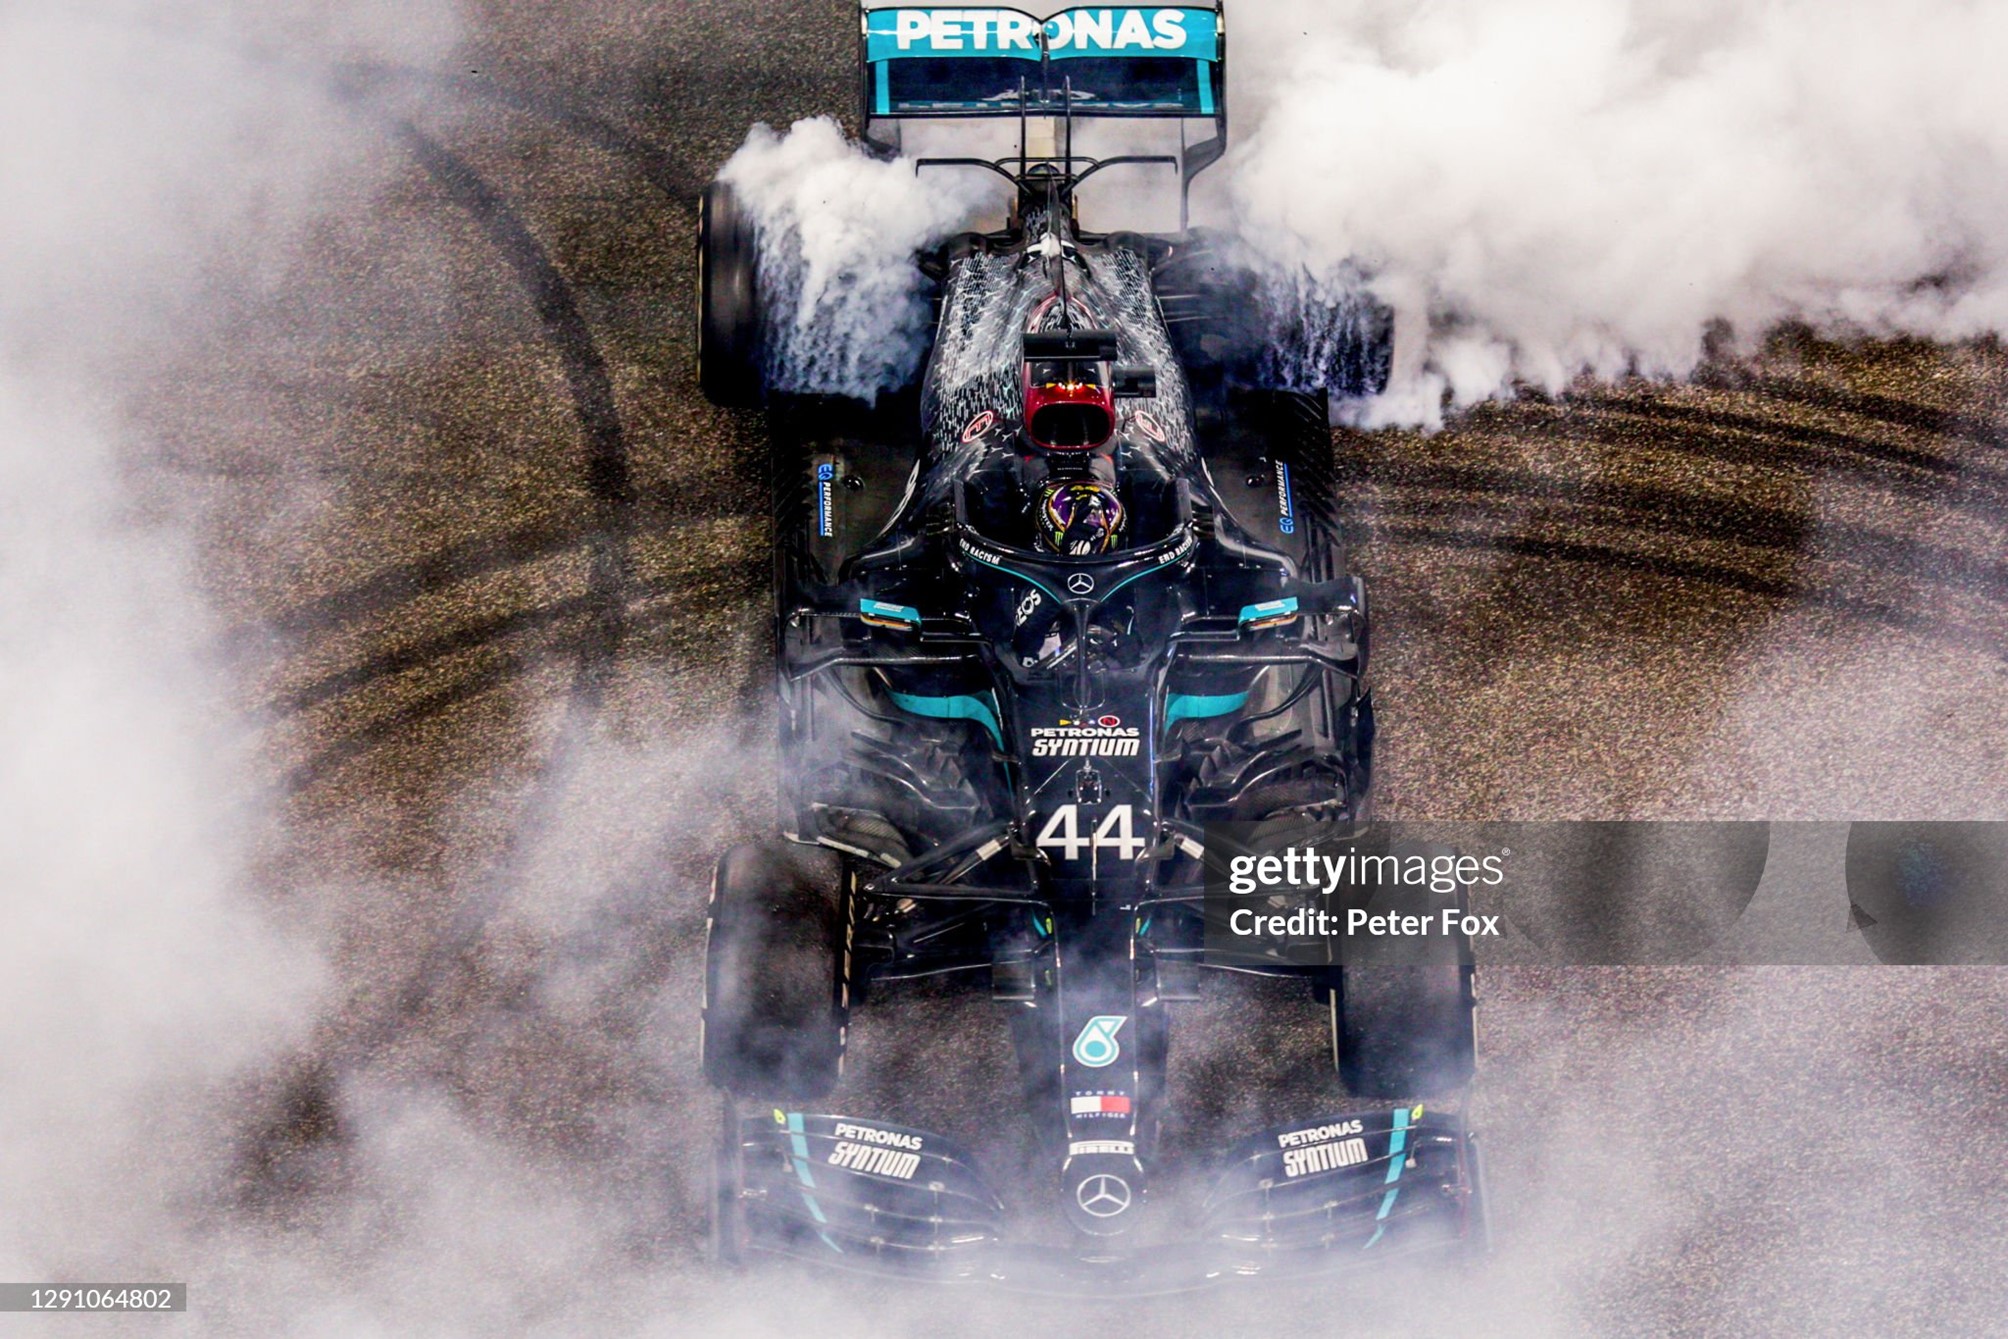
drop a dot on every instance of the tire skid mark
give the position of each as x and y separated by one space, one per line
607 472
343 1045
604 606
1467 492
675 179
1885 409
310 1081
473 638
383 591
1718 576
475 683
678 180
1822 446
308 1111
467 637
1978 494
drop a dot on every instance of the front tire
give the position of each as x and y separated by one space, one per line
773 987
1404 1032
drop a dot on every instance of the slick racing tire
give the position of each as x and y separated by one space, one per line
1404 1032
1404 1011
773 989
1273 331
1340 342
730 349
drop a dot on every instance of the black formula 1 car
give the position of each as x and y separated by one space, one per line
1043 616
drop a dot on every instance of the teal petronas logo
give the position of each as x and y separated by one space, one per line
1096 1046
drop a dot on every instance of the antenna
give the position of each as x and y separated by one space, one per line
1060 194
1067 106
1060 247
1024 124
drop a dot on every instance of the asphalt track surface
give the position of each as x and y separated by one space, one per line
499 582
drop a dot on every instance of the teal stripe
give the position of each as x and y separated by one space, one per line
1269 609
960 707
995 567
1397 1145
799 1145
904 613
1148 571
1193 706
884 82
1205 87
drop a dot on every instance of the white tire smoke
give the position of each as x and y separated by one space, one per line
1547 188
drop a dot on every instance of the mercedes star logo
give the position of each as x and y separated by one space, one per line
1080 583
1103 1195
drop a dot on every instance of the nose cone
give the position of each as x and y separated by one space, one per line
1103 1190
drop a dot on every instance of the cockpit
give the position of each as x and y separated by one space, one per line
1084 481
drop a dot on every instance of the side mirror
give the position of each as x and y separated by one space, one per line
1135 383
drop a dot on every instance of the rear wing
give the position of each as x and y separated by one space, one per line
1090 61
1098 61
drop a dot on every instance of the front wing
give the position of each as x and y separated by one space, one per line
1349 1191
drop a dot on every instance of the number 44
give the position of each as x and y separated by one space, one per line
1118 831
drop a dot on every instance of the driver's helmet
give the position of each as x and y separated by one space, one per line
1080 516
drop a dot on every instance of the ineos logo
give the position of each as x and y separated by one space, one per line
1080 583
1103 1195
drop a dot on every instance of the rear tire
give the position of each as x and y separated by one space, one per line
773 989
1340 343
1235 323
730 343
